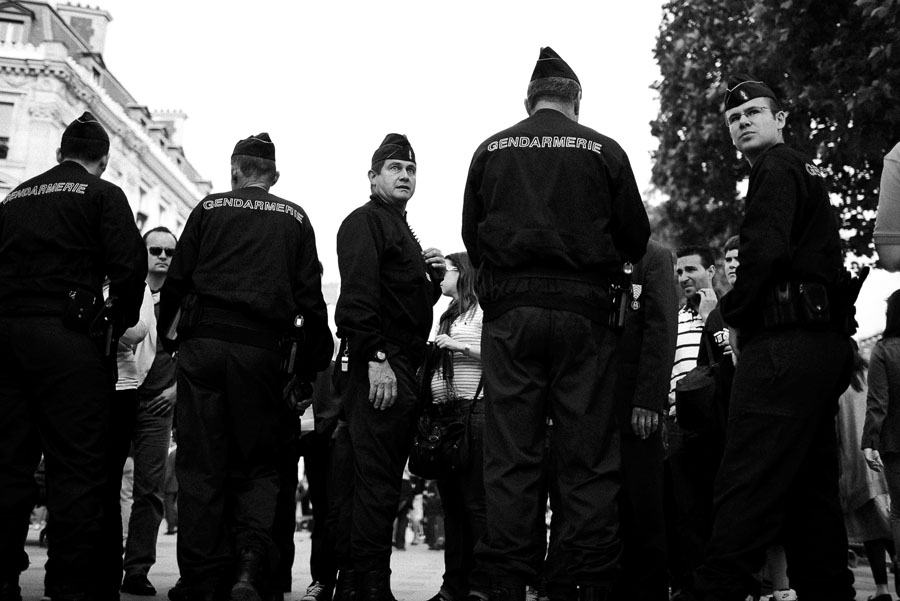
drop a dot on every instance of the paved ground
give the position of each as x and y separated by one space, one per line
416 577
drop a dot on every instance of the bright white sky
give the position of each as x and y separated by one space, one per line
328 80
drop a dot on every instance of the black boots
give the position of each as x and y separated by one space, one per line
250 570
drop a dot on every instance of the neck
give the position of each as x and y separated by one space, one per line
400 205
566 108
155 281
252 184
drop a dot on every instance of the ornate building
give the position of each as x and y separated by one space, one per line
52 70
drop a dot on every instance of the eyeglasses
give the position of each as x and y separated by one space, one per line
751 113
159 250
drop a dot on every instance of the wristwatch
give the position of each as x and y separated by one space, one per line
379 356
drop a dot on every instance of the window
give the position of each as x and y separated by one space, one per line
11 32
6 113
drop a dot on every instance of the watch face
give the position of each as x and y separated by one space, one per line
380 356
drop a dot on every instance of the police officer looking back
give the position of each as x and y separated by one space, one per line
551 212
384 313
246 268
778 480
61 234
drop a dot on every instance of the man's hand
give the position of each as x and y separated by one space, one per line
382 384
297 395
435 258
873 460
707 301
644 422
163 402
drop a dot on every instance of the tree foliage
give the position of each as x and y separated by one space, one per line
836 65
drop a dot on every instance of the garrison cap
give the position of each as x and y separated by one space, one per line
259 146
86 131
742 87
549 72
394 146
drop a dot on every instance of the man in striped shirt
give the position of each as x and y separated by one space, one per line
695 268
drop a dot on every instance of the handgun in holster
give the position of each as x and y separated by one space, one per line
102 328
619 289
290 346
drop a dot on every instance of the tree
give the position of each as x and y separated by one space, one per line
837 66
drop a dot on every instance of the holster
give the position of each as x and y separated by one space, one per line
794 303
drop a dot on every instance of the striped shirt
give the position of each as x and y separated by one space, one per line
687 347
465 329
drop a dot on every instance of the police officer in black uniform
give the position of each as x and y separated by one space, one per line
246 268
384 314
790 308
551 212
61 234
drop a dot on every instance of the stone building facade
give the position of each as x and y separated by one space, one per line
51 71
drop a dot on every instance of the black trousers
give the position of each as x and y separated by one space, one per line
340 501
231 433
55 394
778 481
463 500
123 414
538 362
381 441
315 448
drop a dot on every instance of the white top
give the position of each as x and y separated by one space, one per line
131 375
687 347
465 329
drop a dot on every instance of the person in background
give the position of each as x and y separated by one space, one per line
887 221
881 431
152 429
456 384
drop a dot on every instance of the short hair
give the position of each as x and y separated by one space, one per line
254 167
774 104
732 243
160 229
378 165
88 151
554 88
706 255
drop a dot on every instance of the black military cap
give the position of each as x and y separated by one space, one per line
260 146
742 87
86 131
551 74
394 146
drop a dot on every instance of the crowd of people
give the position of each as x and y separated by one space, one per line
565 349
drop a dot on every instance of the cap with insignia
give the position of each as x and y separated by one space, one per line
550 72
85 133
394 146
742 87
260 146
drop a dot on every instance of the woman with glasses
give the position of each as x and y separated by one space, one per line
456 389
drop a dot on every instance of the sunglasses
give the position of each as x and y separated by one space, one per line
159 250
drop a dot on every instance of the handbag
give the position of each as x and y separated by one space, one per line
695 397
441 446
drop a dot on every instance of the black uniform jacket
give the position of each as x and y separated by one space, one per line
64 230
553 194
789 232
387 289
647 346
254 253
